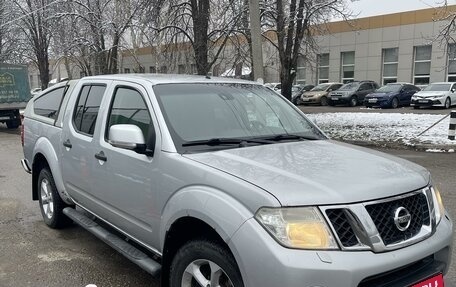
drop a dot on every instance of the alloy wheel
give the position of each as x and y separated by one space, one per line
205 273
47 201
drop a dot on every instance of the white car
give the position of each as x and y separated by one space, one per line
435 95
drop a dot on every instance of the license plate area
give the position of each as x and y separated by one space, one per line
434 281
372 100
334 99
423 101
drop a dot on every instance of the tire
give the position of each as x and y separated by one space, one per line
330 103
324 101
199 253
51 205
394 103
13 124
447 103
353 101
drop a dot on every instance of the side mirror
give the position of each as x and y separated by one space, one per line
330 90
129 137
452 90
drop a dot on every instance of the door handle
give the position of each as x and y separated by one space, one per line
101 156
67 144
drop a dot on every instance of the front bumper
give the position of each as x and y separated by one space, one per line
339 100
435 102
263 262
377 103
309 100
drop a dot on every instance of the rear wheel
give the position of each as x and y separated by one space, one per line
204 263
394 103
51 204
447 103
353 101
324 101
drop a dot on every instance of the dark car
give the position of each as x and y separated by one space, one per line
391 96
352 94
298 90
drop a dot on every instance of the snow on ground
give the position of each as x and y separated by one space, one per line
380 128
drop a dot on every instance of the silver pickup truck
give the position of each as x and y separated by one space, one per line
217 182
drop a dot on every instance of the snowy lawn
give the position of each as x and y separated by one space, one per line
385 128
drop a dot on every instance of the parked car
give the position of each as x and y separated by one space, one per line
221 182
391 95
298 90
319 94
435 95
352 94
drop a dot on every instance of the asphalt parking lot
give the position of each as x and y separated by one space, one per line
34 255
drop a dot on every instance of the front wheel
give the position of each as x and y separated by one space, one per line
324 101
204 263
447 103
353 101
51 204
394 103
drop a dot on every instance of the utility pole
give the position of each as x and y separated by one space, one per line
257 49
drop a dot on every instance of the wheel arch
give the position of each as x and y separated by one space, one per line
199 212
44 155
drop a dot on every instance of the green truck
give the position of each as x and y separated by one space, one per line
14 93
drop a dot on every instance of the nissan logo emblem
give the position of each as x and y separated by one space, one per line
402 218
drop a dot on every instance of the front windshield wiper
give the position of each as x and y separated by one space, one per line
227 141
282 137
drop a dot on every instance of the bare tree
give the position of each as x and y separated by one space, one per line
36 26
8 41
204 25
293 21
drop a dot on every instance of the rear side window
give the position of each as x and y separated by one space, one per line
86 110
48 104
128 107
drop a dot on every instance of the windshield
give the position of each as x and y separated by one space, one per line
350 86
438 87
389 89
321 87
201 111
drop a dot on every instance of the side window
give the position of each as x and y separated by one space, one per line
128 107
86 110
453 87
365 87
48 104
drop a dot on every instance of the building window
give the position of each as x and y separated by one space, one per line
323 68
301 70
142 69
31 81
164 69
422 65
152 70
348 66
194 69
127 70
451 74
390 60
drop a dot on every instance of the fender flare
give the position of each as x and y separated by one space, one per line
212 206
44 146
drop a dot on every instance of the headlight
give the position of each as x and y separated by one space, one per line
438 204
297 227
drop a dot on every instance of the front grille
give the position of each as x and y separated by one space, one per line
342 227
383 216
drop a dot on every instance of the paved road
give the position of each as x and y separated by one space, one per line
33 255
341 109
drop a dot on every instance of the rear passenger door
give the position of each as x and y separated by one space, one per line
363 90
80 125
127 182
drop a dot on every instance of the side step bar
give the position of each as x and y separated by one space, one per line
132 253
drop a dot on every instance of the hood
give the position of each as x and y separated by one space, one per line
425 94
318 172
381 95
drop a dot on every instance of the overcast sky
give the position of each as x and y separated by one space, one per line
367 8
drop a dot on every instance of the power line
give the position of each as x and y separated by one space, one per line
30 13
